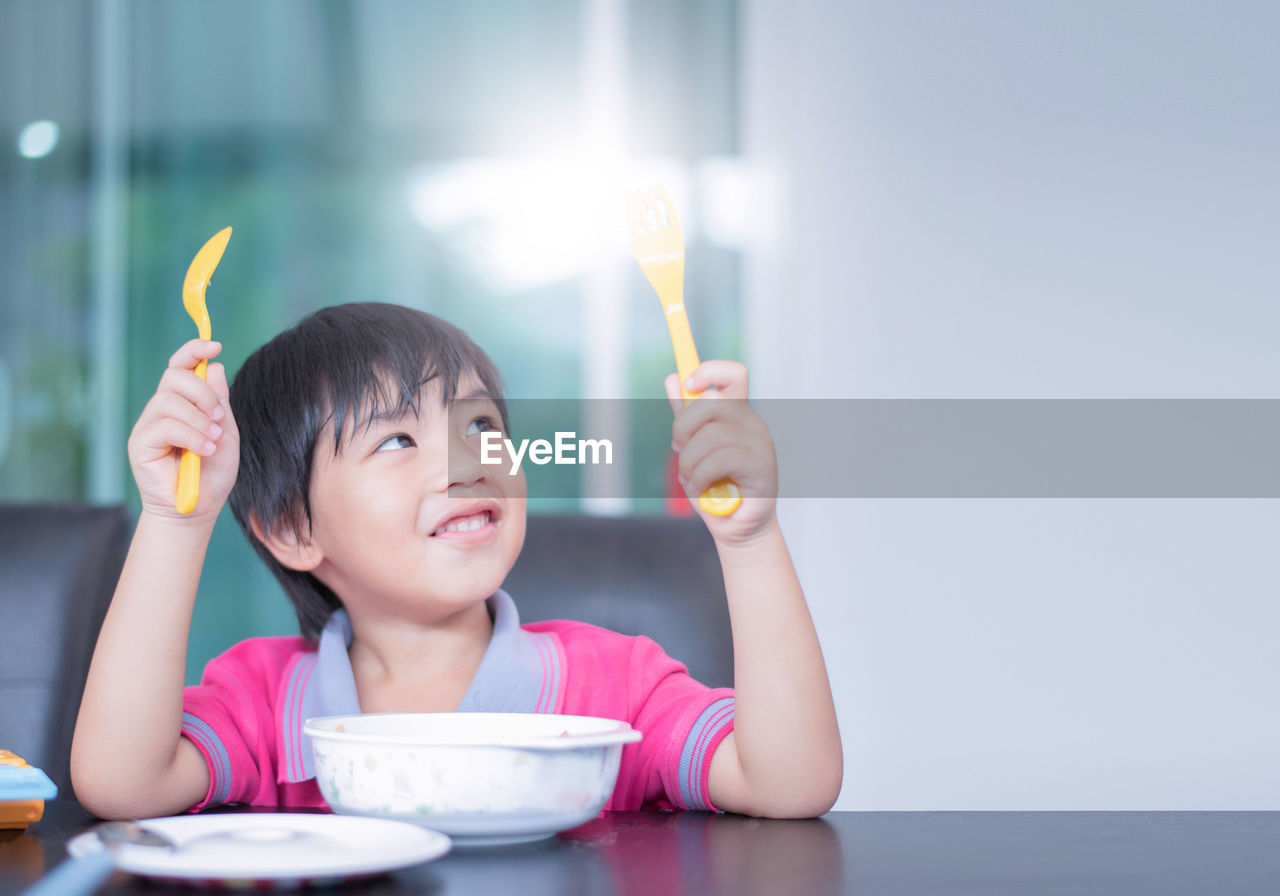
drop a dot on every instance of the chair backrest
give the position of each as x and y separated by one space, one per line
658 577
58 569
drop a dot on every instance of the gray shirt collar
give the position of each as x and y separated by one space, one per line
521 671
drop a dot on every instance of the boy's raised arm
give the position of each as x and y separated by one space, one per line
784 759
128 756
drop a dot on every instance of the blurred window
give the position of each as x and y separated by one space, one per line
468 159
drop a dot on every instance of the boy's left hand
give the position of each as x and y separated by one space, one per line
718 436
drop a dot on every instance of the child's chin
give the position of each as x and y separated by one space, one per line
482 588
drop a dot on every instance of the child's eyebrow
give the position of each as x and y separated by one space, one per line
386 416
475 394
392 416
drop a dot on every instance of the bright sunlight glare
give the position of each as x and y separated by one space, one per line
524 223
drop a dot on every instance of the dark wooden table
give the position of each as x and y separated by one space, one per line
1027 853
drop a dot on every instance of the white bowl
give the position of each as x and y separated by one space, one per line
478 777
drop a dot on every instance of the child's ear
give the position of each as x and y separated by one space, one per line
289 548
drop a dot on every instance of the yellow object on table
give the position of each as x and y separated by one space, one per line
23 790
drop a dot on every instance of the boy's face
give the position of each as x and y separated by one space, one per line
405 521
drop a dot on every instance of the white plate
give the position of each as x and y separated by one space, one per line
283 850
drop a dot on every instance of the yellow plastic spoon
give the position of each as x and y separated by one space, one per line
658 245
193 287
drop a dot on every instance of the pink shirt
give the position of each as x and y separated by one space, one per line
246 714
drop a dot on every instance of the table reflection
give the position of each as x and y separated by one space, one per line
625 853
22 855
693 852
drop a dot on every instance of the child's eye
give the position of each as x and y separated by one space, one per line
481 424
399 440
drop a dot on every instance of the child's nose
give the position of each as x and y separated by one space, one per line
462 465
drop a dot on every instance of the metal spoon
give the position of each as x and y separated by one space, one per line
116 833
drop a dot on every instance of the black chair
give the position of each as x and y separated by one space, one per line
658 577
58 569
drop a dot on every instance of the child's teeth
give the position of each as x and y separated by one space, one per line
466 523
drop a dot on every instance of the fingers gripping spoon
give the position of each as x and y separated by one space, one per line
193 287
658 245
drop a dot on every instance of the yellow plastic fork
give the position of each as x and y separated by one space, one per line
193 287
658 245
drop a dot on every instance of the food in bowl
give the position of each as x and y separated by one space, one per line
479 777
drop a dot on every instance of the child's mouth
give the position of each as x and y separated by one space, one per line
477 524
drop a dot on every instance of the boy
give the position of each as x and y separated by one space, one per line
367 500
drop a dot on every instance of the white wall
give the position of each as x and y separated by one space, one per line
1013 199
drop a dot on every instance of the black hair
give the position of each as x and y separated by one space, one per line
338 366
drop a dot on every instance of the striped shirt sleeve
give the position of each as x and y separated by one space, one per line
712 726
229 716
216 757
683 722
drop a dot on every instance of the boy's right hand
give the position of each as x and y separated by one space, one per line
186 412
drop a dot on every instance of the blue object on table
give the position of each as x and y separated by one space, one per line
76 877
25 783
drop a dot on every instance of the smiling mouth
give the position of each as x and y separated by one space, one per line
465 523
